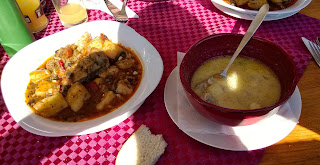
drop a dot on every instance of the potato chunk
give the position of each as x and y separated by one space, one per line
50 106
46 87
39 75
111 49
76 96
106 99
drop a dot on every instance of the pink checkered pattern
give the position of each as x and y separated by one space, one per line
170 26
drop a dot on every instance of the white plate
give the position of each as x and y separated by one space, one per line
241 141
15 77
250 14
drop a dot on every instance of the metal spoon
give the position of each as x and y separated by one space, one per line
251 30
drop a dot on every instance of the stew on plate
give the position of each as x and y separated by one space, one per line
84 80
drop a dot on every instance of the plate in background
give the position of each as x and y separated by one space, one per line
250 14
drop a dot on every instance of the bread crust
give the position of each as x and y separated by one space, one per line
141 148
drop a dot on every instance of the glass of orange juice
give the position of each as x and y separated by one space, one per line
71 12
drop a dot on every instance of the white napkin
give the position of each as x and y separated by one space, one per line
100 5
190 120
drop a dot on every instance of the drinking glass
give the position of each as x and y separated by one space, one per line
71 12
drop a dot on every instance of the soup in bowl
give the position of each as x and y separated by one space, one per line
258 83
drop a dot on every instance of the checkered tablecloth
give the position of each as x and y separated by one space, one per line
170 26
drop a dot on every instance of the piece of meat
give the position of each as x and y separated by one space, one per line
52 65
111 71
88 67
124 87
101 83
77 68
125 63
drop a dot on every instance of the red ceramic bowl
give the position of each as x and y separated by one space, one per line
267 52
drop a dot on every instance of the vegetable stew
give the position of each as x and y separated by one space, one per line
84 80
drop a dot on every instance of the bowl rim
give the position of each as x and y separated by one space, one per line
291 9
189 91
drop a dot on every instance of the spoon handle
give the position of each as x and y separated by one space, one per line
251 30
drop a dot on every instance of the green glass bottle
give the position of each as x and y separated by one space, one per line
14 32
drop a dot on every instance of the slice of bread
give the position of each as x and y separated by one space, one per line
141 148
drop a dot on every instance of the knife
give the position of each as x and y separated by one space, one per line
311 50
113 9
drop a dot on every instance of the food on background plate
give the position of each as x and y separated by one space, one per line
256 4
249 84
142 148
84 80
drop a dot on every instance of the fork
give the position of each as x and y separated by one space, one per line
122 16
316 49
313 48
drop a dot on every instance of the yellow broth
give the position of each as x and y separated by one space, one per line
249 84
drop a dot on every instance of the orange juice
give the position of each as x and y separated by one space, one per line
33 14
72 14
